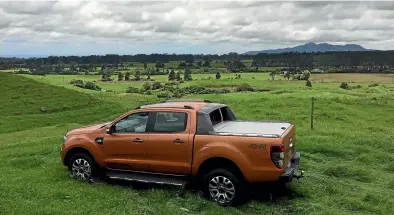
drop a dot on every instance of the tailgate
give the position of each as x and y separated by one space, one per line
289 144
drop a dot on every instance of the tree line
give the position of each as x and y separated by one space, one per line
368 61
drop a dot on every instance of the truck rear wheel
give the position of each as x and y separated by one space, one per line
81 166
222 187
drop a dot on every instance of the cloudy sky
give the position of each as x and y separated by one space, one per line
124 27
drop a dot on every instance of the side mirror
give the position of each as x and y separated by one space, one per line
108 130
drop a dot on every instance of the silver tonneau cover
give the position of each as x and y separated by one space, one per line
252 128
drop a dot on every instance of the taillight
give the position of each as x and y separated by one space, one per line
277 155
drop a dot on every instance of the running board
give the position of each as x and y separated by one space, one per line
148 177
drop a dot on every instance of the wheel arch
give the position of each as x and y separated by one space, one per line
76 150
219 162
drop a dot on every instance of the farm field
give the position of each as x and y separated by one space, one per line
258 80
354 78
348 157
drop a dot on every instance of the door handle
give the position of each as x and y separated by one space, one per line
138 140
178 141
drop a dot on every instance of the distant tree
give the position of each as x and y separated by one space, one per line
73 66
127 76
190 65
244 87
206 64
92 86
178 76
235 64
287 75
308 83
171 75
273 74
255 64
156 85
218 76
305 75
106 75
207 70
137 75
120 76
132 90
146 86
189 58
187 76
145 65
182 65
344 85
159 65
151 71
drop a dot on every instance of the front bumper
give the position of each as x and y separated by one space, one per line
292 171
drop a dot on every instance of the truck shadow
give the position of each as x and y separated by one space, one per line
261 192
272 192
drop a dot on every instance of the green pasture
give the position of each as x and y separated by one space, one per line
348 158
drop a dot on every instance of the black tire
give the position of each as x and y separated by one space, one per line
82 160
224 197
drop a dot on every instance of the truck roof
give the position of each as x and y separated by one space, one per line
201 106
189 105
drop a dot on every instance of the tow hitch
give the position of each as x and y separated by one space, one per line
298 174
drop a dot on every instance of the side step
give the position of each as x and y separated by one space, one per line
148 177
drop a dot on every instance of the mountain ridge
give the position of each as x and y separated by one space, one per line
312 47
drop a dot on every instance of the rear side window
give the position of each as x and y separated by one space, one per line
170 122
222 114
227 114
216 117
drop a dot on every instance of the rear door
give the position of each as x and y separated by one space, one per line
170 143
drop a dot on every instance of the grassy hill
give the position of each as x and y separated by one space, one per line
27 104
348 157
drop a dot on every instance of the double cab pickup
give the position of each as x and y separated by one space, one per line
181 141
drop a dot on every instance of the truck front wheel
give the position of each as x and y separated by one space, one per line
223 187
82 166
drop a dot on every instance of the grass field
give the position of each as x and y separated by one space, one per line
348 157
354 78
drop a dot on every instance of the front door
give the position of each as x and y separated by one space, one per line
125 148
170 144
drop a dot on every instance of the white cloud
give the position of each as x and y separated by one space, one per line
243 22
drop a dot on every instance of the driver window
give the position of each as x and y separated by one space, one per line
134 123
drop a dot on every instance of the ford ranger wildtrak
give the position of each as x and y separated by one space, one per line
181 141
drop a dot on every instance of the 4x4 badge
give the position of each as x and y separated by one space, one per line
257 146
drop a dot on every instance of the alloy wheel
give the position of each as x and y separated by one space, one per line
81 169
221 189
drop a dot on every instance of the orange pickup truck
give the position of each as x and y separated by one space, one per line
181 141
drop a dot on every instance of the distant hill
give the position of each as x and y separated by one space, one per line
313 47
